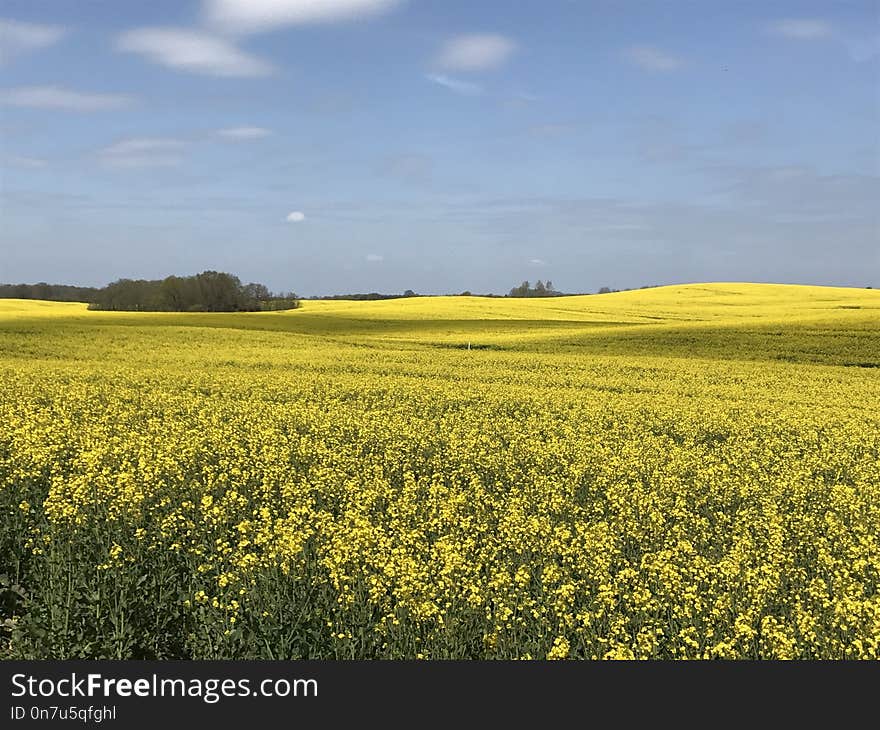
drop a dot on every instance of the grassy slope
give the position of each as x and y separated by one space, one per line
838 326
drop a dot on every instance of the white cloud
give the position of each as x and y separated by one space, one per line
537 262
550 130
374 258
623 227
296 216
475 52
859 46
804 29
520 101
54 97
242 133
456 85
861 50
414 169
192 51
17 38
254 16
139 152
652 59
30 163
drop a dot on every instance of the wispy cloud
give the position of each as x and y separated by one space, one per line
28 163
803 29
296 216
652 59
457 85
537 262
192 51
255 16
550 130
141 152
17 38
474 52
55 97
243 133
863 49
520 101
374 258
412 169
859 46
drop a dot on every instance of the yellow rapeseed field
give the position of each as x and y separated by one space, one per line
680 472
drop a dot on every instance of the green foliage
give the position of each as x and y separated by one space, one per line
369 297
541 289
210 291
48 292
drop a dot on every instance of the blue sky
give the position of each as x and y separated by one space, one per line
329 146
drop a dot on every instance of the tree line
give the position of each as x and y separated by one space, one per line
48 292
209 291
541 289
370 297
216 291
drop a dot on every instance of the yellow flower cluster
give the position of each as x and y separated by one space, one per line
352 482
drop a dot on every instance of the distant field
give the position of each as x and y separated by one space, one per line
679 472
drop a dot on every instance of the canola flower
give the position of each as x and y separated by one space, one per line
688 472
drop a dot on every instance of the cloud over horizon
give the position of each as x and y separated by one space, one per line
60 99
474 52
467 88
243 133
623 153
192 51
142 152
652 59
28 163
18 38
237 17
804 29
